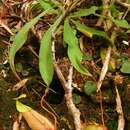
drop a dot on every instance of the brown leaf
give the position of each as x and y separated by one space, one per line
37 121
20 84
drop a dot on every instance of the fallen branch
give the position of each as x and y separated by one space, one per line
68 95
121 121
68 90
104 69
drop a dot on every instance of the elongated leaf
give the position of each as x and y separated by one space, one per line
46 5
45 55
45 58
121 23
74 53
20 39
85 12
89 31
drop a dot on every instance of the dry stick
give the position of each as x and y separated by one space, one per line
107 26
101 78
121 121
101 107
104 68
6 28
104 13
123 4
68 90
127 11
68 95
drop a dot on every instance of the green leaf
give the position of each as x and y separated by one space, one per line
125 67
20 39
121 23
21 107
89 31
74 53
45 58
88 57
115 11
19 67
84 12
45 54
90 87
76 98
46 5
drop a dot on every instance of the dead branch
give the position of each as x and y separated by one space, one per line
68 90
104 68
123 3
68 95
121 121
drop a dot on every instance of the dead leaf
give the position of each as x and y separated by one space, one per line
37 121
20 84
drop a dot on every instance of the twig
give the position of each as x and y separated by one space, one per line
125 14
105 12
121 121
123 4
6 28
101 107
49 112
75 112
32 50
68 90
104 68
